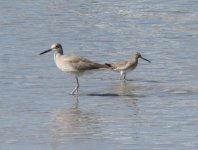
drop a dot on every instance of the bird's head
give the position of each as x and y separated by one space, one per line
55 47
138 55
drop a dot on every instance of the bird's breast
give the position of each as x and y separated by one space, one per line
132 66
63 65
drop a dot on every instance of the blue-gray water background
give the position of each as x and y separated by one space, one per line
157 110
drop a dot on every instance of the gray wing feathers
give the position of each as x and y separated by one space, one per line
80 63
120 66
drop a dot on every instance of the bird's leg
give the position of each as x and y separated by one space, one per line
76 88
125 79
121 75
124 76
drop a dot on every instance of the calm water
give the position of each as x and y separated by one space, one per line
157 110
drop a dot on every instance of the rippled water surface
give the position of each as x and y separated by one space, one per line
156 110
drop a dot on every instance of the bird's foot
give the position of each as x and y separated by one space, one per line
74 92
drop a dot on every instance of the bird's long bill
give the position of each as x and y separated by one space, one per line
46 51
145 59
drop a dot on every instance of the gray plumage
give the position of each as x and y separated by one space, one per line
73 64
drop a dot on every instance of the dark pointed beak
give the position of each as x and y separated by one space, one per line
46 51
145 59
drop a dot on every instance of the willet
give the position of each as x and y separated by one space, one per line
73 64
127 65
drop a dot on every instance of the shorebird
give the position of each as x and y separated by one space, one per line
126 65
73 64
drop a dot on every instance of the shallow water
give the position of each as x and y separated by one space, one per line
156 110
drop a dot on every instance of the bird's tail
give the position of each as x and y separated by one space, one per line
100 66
108 65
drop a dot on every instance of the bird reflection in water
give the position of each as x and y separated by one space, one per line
127 94
71 123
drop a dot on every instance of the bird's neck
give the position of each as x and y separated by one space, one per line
57 54
60 51
134 59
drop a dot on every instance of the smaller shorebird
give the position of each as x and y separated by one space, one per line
73 64
127 65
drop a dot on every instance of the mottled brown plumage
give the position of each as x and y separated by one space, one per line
127 65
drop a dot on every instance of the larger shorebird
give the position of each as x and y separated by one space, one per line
73 64
127 65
